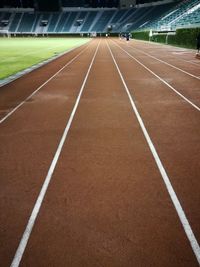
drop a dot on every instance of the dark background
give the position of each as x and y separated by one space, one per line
54 5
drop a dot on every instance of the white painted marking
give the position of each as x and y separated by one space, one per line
166 63
24 240
162 80
189 51
24 101
174 198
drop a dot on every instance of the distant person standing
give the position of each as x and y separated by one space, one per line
128 36
198 43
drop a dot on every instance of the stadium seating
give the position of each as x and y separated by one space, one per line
78 23
27 22
4 19
171 18
53 20
190 16
70 21
15 22
82 20
63 18
88 21
103 21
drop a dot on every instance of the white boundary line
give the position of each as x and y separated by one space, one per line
24 101
29 69
24 240
162 80
164 62
189 51
177 205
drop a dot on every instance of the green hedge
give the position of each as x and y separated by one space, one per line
141 35
159 38
183 37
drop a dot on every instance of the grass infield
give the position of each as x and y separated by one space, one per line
17 54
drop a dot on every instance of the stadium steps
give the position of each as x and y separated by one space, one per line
43 16
117 16
188 19
15 21
157 17
27 22
163 11
81 17
36 22
69 22
171 18
53 22
98 15
102 21
127 17
129 13
157 12
89 20
109 21
73 27
61 22
5 16
143 16
56 25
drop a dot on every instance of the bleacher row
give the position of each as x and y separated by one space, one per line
184 13
171 15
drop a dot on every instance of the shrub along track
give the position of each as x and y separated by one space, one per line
106 204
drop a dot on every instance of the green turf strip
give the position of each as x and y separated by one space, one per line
17 54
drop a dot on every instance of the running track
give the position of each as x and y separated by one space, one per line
100 159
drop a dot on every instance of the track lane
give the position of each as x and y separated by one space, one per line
28 142
39 88
186 86
180 67
174 128
12 94
169 52
166 179
26 235
168 56
105 207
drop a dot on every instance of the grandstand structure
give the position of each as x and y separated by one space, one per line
157 15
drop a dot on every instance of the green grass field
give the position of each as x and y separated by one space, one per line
17 54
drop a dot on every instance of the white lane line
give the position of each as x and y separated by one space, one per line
24 240
166 63
177 205
168 46
171 87
24 101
